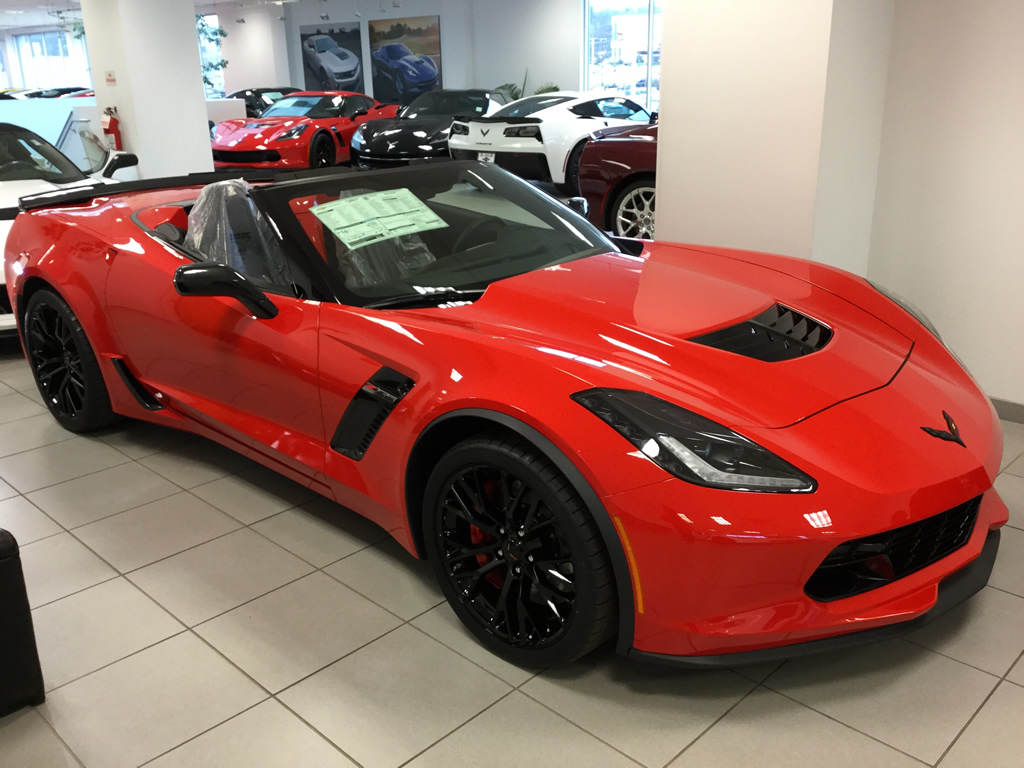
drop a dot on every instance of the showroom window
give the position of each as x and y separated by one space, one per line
209 32
48 61
623 48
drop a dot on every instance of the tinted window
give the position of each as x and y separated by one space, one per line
587 109
23 155
622 109
530 105
396 51
447 103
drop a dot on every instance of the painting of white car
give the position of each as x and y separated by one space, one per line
336 68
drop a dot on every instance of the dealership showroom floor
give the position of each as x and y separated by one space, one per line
195 609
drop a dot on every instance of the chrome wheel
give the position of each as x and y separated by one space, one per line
506 558
634 213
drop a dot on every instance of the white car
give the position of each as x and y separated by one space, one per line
336 67
541 137
30 165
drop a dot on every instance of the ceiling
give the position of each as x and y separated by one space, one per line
25 13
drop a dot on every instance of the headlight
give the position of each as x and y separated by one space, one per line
357 138
459 129
292 133
525 131
213 132
692 447
913 311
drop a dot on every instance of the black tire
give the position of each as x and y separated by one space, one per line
325 81
635 204
321 152
571 185
64 366
514 505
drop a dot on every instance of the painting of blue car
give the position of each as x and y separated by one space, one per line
405 57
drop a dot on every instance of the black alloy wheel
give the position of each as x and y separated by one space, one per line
571 185
321 152
518 555
64 365
632 213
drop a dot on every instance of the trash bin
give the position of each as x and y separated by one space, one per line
21 679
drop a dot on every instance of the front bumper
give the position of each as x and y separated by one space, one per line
376 160
290 155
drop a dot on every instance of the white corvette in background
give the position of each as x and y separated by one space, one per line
30 165
541 137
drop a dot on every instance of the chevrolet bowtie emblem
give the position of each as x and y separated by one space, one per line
484 132
953 435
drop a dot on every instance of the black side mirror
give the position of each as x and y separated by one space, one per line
654 117
221 280
578 204
127 160
359 113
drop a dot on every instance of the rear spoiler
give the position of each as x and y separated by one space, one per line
91 192
509 120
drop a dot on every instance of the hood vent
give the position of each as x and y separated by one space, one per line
779 333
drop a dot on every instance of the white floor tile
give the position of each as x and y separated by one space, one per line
1017 673
17 406
253 495
1011 489
20 379
1016 467
906 696
28 741
6 491
59 566
648 712
770 731
293 631
139 439
87 499
536 738
986 632
32 432
196 463
149 703
443 625
215 577
96 627
1013 447
25 521
388 701
321 532
51 464
1008 572
143 535
391 577
266 736
994 739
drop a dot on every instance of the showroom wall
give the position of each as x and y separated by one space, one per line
257 50
949 214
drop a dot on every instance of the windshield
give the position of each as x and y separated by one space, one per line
311 106
447 104
529 105
23 156
397 51
428 230
324 43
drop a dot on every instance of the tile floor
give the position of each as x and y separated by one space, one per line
193 609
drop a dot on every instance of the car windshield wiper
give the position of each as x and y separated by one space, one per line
431 299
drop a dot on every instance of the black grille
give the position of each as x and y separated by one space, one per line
863 564
255 156
778 333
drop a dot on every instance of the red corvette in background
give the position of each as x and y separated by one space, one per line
718 456
617 171
309 129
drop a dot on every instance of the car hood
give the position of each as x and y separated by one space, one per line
423 66
338 59
405 135
620 321
254 131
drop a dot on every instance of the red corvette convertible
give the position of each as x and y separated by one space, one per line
716 456
310 129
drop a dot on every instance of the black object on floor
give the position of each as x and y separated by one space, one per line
21 679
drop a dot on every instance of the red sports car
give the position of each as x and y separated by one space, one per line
617 173
716 456
309 129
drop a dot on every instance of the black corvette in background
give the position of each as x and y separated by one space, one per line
257 100
421 128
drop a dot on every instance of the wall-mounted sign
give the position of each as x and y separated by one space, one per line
110 77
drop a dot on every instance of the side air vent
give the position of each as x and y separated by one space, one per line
779 333
367 412
139 392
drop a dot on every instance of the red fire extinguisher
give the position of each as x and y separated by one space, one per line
112 128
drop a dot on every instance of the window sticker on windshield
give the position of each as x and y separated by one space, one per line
375 216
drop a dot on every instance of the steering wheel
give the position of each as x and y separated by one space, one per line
466 237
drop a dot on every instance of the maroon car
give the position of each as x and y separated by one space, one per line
617 178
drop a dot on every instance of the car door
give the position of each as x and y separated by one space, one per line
253 381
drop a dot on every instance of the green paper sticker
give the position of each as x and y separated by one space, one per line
369 218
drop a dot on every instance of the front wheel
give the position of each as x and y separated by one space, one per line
518 555
321 152
64 365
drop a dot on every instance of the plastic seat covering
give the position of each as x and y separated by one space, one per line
225 227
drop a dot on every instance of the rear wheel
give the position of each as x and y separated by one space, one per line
321 152
632 213
64 365
571 185
518 555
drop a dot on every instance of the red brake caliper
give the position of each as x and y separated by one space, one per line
477 536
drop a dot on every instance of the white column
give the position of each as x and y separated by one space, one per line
152 49
770 124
